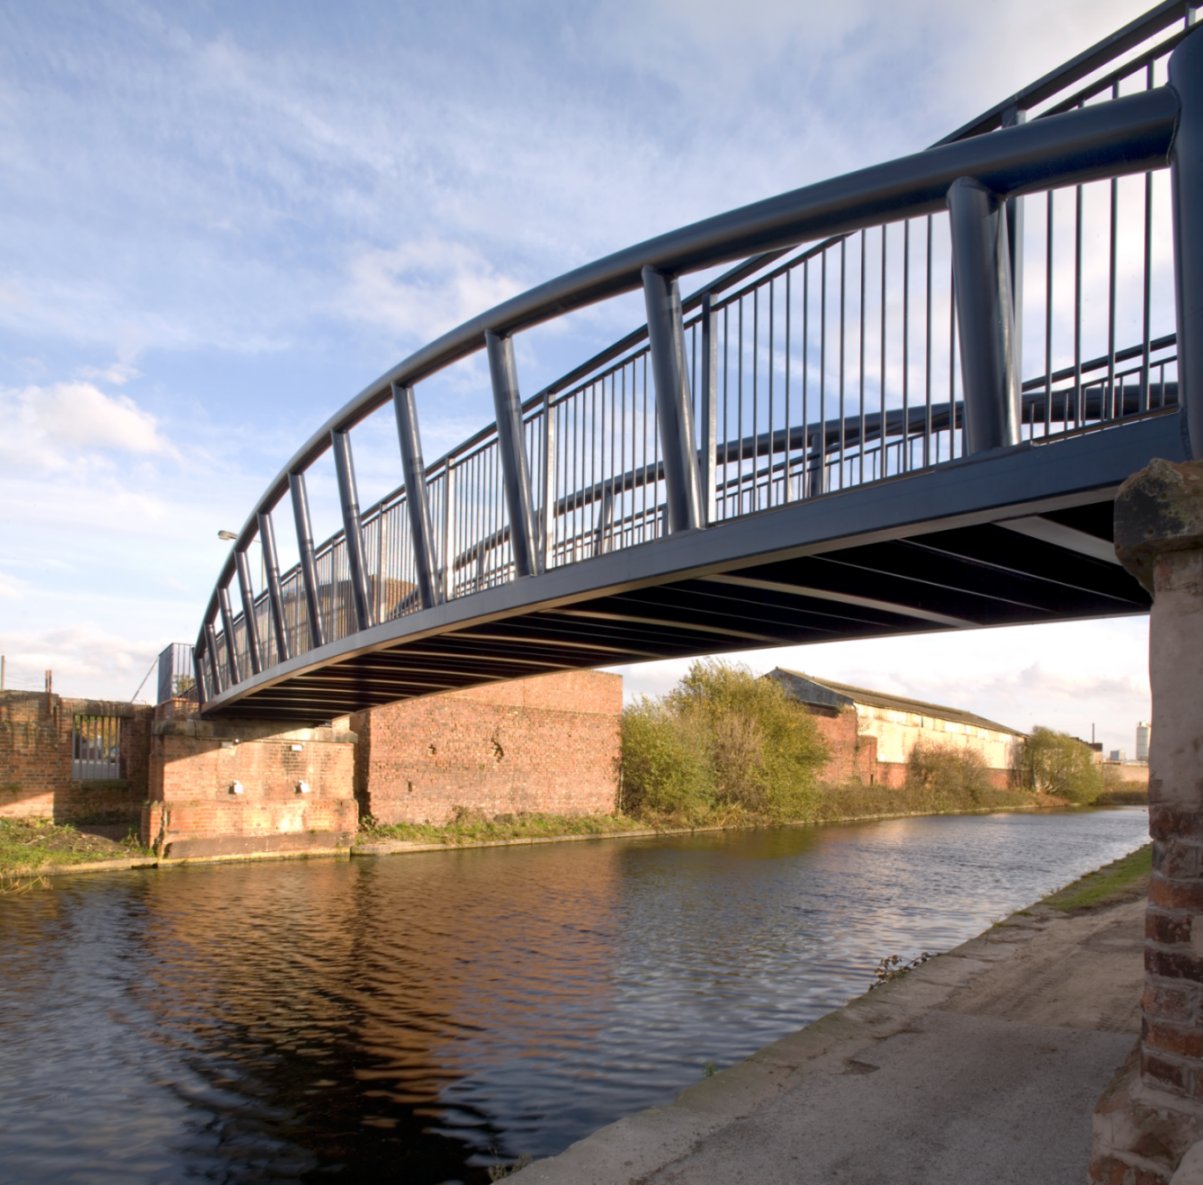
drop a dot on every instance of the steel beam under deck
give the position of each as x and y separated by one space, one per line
1009 537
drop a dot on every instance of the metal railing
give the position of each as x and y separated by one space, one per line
176 673
837 357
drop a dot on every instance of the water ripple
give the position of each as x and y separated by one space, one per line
420 1019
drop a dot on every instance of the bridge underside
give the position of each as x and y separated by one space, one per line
1008 538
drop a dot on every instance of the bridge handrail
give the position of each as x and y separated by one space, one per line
1123 136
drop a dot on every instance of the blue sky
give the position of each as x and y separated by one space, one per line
220 221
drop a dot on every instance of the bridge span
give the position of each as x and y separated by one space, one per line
833 439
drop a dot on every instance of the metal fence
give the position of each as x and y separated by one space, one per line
96 748
176 673
808 371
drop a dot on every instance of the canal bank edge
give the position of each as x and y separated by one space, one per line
981 1065
388 847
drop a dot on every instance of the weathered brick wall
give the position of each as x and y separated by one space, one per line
194 765
36 761
854 757
548 744
849 757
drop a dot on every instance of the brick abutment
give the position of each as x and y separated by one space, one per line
1153 1112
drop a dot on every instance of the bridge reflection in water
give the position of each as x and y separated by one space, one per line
834 439
419 1018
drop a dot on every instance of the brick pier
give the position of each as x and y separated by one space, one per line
1153 1112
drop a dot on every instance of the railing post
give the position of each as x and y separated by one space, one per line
300 514
417 500
981 265
1014 117
198 672
512 444
340 442
227 625
211 651
247 595
710 410
275 596
1186 196
674 413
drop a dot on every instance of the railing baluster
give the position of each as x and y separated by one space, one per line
673 412
417 498
515 471
300 513
981 264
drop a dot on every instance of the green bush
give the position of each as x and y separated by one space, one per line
947 776
666 774
1058 764
723 743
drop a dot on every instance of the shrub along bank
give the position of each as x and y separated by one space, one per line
722 747
725 747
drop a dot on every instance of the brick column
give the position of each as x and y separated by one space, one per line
1153 1111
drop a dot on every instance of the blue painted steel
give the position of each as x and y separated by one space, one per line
348 498
271 568
300 511
981 264
673 410
507 403
1186 174
417 499
249 624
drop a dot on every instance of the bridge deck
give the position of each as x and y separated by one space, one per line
673 495
1016 538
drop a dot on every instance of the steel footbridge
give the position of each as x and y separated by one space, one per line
905 406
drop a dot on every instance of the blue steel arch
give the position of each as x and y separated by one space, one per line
665 498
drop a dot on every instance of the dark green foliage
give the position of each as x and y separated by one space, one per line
1057 764
722 744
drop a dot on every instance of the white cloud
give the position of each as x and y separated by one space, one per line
11 587
86 660
50 427
423 287
116 374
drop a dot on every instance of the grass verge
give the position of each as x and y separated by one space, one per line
470 827
29 845
1122 879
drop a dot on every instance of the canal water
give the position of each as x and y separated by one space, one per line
418 1019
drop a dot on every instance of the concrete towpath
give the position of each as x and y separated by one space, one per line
981 1067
